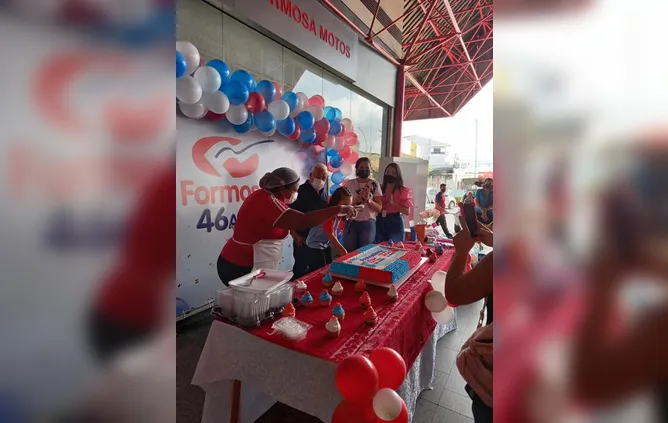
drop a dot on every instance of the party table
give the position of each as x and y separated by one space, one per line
244 372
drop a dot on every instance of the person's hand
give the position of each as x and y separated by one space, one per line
485 235
342 251
483 215
463 240
298 239
349 211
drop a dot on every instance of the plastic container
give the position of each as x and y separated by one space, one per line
225 301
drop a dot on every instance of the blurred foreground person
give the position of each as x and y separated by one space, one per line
614 361
474 361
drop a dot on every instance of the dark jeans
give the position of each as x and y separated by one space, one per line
481 412
441 221
358 234
108 337
229 271
390 227
490 216
309 259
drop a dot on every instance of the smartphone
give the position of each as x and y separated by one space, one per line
468 211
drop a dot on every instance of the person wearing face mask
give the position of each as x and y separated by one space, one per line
397 203
368 197
311 197
264 221
484 202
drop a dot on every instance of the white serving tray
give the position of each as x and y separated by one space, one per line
273 280
400 282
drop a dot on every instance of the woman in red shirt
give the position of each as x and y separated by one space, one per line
264 221
397 203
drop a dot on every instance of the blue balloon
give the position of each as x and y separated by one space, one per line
244 127
306 120
337 177
325 111
181 306
333 188
331 152
336 161
222 69
237 93
286 126
244 78
335 127
339 114
292 100
181 64
308 135
264 121
330 114
266 90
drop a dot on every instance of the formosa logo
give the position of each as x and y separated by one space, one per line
238 161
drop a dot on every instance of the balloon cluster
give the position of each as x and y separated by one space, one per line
368 386
212 91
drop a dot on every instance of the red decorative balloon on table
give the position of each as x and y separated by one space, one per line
255 103
351 412
357 378
390 366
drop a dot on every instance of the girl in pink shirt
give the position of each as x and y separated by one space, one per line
397 202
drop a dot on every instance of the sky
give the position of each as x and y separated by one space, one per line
459 130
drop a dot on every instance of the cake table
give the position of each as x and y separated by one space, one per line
244 372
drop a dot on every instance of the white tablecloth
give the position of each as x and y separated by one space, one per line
271 373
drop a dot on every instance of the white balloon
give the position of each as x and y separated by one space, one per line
237 114
279 109
316 111
195 111
444 317
387 404
348 124
188 91
191 54
435 301
304 99
438 281
217 102
339 143
208 78
347 169
329 142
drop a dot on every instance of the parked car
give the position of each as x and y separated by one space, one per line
450 201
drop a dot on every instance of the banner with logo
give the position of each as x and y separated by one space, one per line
217 168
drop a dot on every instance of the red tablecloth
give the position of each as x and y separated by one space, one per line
403 326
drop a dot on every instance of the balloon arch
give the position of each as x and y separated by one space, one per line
212 92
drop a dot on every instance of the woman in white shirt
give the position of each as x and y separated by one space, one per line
368 195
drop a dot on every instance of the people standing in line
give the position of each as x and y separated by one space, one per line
311 197
397 203
440 206
367 197
264 221
322 240
484 202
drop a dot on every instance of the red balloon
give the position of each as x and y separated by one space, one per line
255 103
343 131
353 157
402 418
321 127
214 116
357 378
391 368
279 92
350 412
345 152
317 100
320 138
317 149
295 135
350 138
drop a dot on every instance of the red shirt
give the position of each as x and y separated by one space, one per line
135 290
328 226
255 221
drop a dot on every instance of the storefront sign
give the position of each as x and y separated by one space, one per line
310 27
217 169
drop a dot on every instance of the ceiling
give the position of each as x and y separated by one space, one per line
445 46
